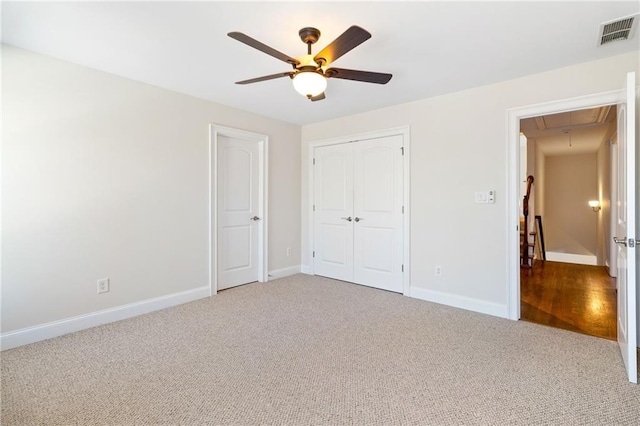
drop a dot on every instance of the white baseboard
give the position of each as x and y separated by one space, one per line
284 272
52 329
462 302
580 259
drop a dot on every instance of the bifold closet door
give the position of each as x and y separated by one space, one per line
358 191
333 215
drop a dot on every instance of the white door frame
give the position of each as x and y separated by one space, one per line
406 196
263 145
513 151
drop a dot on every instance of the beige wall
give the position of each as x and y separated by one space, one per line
108 177
458 146
540 182
570 224
103 176
531 171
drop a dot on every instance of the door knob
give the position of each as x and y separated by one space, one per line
358 219
622 241
348 219
255 218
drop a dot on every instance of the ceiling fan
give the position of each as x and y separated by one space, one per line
310 73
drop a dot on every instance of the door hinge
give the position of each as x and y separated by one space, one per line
314 161
632 242
402 149
402 209
314 254
402 268
314 207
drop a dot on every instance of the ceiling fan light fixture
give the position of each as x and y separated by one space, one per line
309 83
310 73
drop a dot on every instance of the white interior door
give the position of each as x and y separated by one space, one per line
377 213
238 211
625 235
333 215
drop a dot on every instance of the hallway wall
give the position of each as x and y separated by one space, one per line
570 224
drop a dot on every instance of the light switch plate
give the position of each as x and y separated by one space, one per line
481 197
486 197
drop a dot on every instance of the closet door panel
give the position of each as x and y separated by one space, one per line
333 203
378 213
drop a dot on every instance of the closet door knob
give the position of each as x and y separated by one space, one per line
348 219
358 219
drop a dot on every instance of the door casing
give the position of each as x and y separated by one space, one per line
513 151
263 143
406 195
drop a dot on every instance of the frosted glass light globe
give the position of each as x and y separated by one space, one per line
309 83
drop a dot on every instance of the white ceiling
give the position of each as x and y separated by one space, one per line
574 132
431 48
581 141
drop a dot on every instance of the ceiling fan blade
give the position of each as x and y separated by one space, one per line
344 43
265 77
243 38
319 97
366 76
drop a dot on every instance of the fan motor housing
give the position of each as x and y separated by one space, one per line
306 63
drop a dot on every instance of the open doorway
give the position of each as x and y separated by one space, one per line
567 277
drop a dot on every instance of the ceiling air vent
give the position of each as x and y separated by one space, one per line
620 29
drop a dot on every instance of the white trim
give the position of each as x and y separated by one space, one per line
462 302
406 225
52 329
406 140
284 272
263 235
580 259
264 202
613 202
513 158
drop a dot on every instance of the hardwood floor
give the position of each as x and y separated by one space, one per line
574 297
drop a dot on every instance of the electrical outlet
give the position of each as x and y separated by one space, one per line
438 271
103 285
288 251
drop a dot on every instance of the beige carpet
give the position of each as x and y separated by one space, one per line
312 351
